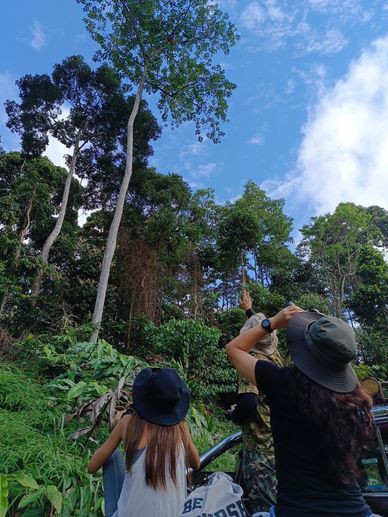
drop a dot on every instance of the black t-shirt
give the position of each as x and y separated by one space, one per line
305 487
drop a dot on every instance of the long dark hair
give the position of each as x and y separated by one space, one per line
343 423
162 448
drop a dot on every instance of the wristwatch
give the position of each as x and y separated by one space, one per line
266 324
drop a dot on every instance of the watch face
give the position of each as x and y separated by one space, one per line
266 324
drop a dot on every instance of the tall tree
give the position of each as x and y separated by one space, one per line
255 230
369 296
333 244
27 209
164 48
84 109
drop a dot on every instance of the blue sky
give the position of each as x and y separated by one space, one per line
308 120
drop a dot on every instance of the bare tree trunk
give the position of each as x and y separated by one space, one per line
255 262
114 227
24 230
44 255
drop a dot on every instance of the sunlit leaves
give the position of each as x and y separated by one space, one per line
173 44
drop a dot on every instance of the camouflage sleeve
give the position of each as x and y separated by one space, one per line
246 387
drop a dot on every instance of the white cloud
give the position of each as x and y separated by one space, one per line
331 42
269 22
38 37
190 158
195 149
314 77
56 151
256 139
252 16
204 171
273 11
308 26
346 9
343 155
290 86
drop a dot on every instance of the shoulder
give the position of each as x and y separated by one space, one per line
270 377
123 424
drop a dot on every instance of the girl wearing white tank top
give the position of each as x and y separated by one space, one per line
150 481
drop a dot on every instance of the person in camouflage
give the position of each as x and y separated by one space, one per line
258 474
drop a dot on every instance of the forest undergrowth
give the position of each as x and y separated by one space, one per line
58 397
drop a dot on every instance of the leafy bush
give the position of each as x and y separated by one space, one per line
41 467
13 393
61 377
196 347
143 332
230 322
313 301
364 371
208 426
372 347
264 300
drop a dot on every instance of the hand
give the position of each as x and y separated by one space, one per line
229 412
281 319
246 300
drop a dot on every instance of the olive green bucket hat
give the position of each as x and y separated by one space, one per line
322 347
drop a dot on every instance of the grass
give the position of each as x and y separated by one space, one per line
209 426
36 442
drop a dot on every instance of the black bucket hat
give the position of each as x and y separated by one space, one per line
160 396
322 347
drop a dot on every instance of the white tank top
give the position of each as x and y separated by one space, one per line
137 499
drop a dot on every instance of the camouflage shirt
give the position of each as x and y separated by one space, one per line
256 430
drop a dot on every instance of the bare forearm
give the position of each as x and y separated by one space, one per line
238 349
247 340
102 454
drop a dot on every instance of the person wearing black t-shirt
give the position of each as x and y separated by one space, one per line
320 416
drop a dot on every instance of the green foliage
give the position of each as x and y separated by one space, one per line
3 495
255 231
27 212
369 297
208 427
177 275
372 347
365 371
265 300
230 322
313 301
13 393
42 463
36 492
143 337
37 455
196 347
42 466
170 49
332 244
